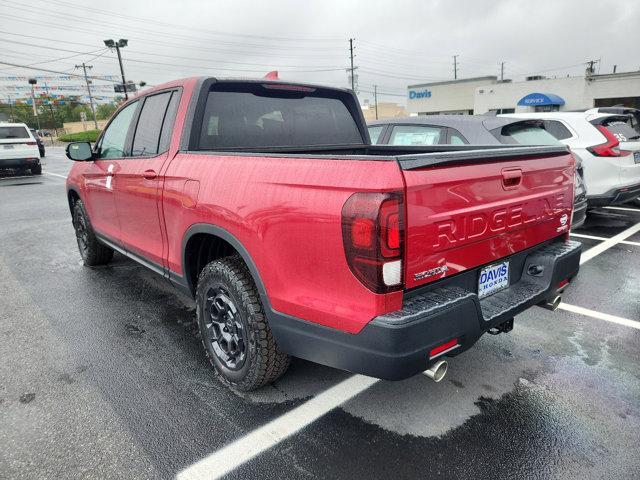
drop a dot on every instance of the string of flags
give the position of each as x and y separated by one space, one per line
52 78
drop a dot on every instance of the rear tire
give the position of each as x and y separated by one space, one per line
234 330
36 170
91 250
635 202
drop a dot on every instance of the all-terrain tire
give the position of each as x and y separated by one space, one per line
92 251
262 362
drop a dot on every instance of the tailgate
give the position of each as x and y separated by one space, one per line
470 208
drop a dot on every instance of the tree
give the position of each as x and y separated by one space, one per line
105 110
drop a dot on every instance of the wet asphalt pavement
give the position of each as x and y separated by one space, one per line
102 376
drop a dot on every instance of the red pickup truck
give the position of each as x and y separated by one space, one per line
266 202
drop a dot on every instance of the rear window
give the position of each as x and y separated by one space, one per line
524 133
622 130
7 133
254 116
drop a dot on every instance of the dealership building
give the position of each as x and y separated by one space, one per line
537 93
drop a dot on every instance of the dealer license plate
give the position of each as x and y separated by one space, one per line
493 279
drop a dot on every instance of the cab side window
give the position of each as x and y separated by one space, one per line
114 139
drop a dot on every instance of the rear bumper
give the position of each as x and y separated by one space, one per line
19 162
579 213
615 196
397 345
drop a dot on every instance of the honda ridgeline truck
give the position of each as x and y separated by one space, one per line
266 202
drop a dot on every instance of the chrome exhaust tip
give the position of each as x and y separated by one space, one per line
552 303
437 371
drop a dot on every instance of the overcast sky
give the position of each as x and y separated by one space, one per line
397 43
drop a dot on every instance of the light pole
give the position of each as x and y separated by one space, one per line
118 45
32 82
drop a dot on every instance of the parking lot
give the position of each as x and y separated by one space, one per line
102 376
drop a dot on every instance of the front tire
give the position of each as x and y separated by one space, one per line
91 250
234 330
36 170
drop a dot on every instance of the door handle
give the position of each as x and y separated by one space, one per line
150 174
511 178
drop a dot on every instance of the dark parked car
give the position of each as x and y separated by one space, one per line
39 142
474 130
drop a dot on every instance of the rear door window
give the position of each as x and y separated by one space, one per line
255 115
557 129
524 133
147 137
14 133
456 138
416 135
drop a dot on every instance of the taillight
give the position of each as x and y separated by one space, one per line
32 143
373 236
611 148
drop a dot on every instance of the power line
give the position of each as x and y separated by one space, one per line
56 71
313 69
174 44
64 15
189 27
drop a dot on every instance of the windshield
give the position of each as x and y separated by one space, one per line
7 133
524 133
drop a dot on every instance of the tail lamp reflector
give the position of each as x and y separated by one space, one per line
445 347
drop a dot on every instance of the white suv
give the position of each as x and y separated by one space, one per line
19 148
608 146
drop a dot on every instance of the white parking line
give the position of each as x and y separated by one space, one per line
601 239
254 443
600 316
608 243
55 175
624 209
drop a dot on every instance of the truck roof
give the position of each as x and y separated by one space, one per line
201 79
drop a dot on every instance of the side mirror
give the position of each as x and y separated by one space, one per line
79 151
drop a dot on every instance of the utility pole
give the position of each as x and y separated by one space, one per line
501 71
375 98
11 108
53 117
86 79
353 78
455 67
591 67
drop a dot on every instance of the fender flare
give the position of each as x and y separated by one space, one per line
236 244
